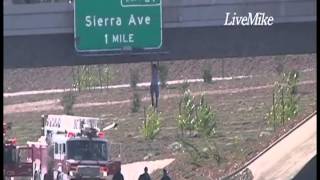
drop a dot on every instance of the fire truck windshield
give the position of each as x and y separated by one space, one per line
9 155
87 150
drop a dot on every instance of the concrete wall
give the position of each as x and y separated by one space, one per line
178 44
53 18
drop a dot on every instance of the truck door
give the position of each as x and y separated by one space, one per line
59 151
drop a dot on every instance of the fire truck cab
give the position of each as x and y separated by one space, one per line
77 148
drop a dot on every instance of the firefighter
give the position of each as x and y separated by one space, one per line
165 175
145 175
36 175
154 86
48 175
118 176
59 174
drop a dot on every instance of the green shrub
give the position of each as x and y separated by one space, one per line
200 118
68 100
187 110
205 119
163 73
292 79
185 85
106 75
203 151
279 64
136 102
196 117
151 124
207 74
87 77
279 67
284 102
134 77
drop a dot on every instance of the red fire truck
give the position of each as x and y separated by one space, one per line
70 147
18 160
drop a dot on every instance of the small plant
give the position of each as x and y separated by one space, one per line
193 151
237 146
205 119
207 74
163 73
284 100
187 109
185 85
204 151
67 102
134 77
86 77
195 117
151 124
107 75
279 64
200 118
136 102
279 67
292 81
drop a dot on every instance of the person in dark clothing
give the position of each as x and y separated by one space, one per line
35 176
118 176
165 175
48 175
145 175
154 87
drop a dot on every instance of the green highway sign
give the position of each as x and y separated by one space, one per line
111 25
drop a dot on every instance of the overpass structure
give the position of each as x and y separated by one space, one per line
40 32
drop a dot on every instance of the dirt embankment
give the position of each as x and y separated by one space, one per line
240 108
62 77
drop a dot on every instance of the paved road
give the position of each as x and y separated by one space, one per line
289 156
309 171
132 171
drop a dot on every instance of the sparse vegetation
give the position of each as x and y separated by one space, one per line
205 150
207 74
151 123
136 102
187 111
237 141
199 118
106 75
134 77
163 73
279 64
285 102
195 117
205 119
88 77
68 100
185 85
